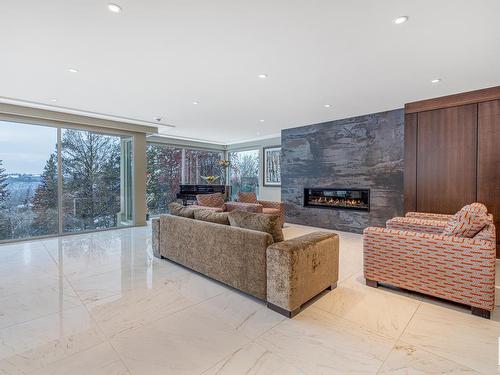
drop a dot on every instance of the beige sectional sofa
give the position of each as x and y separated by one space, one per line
285 274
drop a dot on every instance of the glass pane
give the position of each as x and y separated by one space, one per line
202 167
164 176
28 181
93 167
244 172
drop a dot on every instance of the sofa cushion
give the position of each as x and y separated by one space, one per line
214 209
178 209
261 222
212 216
210 200
250 197
270 211
467 222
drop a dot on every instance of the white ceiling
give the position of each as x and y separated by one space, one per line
158 56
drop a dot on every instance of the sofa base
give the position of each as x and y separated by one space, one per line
282 311
291 314
483 313
480 312
372 283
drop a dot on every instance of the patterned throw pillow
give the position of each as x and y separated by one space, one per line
211 200
468 221
247 197
177 209
263 223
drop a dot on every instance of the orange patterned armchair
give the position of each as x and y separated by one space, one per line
413 253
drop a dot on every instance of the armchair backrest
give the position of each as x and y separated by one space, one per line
249 197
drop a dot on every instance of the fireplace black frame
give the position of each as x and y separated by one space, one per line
329 206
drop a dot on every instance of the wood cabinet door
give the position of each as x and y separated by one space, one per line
446 159
488 163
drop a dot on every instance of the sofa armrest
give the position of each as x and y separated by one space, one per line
429 216
155 238
300 268
455 268
249 207
414 224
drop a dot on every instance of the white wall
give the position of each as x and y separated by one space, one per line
272 193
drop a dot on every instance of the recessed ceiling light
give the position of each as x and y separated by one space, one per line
73 70
262 76
328 105
400 20
53 100
196 102
261 120
114 8
436 80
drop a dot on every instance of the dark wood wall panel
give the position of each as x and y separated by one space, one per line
446 159
488 163
455 100
410 171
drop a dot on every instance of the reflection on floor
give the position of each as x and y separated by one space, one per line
101 304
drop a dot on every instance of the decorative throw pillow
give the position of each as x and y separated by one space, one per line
211 200
212 216
177 209
468 221
247 197
260 222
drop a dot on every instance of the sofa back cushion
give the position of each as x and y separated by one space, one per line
250 197
211 200
177 209
212 216
467 222
260 222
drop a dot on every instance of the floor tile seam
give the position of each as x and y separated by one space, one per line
398 339
441 356
39 317
70 356
163 316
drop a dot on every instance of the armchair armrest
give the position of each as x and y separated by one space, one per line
299 269
414 224
454 268
429 216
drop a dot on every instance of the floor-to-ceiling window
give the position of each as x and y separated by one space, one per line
92 179
164 176
28 181
55 180
244 171
201 165
170 166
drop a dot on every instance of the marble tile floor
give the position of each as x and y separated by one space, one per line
101 303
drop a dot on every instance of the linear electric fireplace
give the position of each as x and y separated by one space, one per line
354 199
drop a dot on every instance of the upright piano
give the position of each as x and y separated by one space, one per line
188 193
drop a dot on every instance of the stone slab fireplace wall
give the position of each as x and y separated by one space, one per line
364 152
